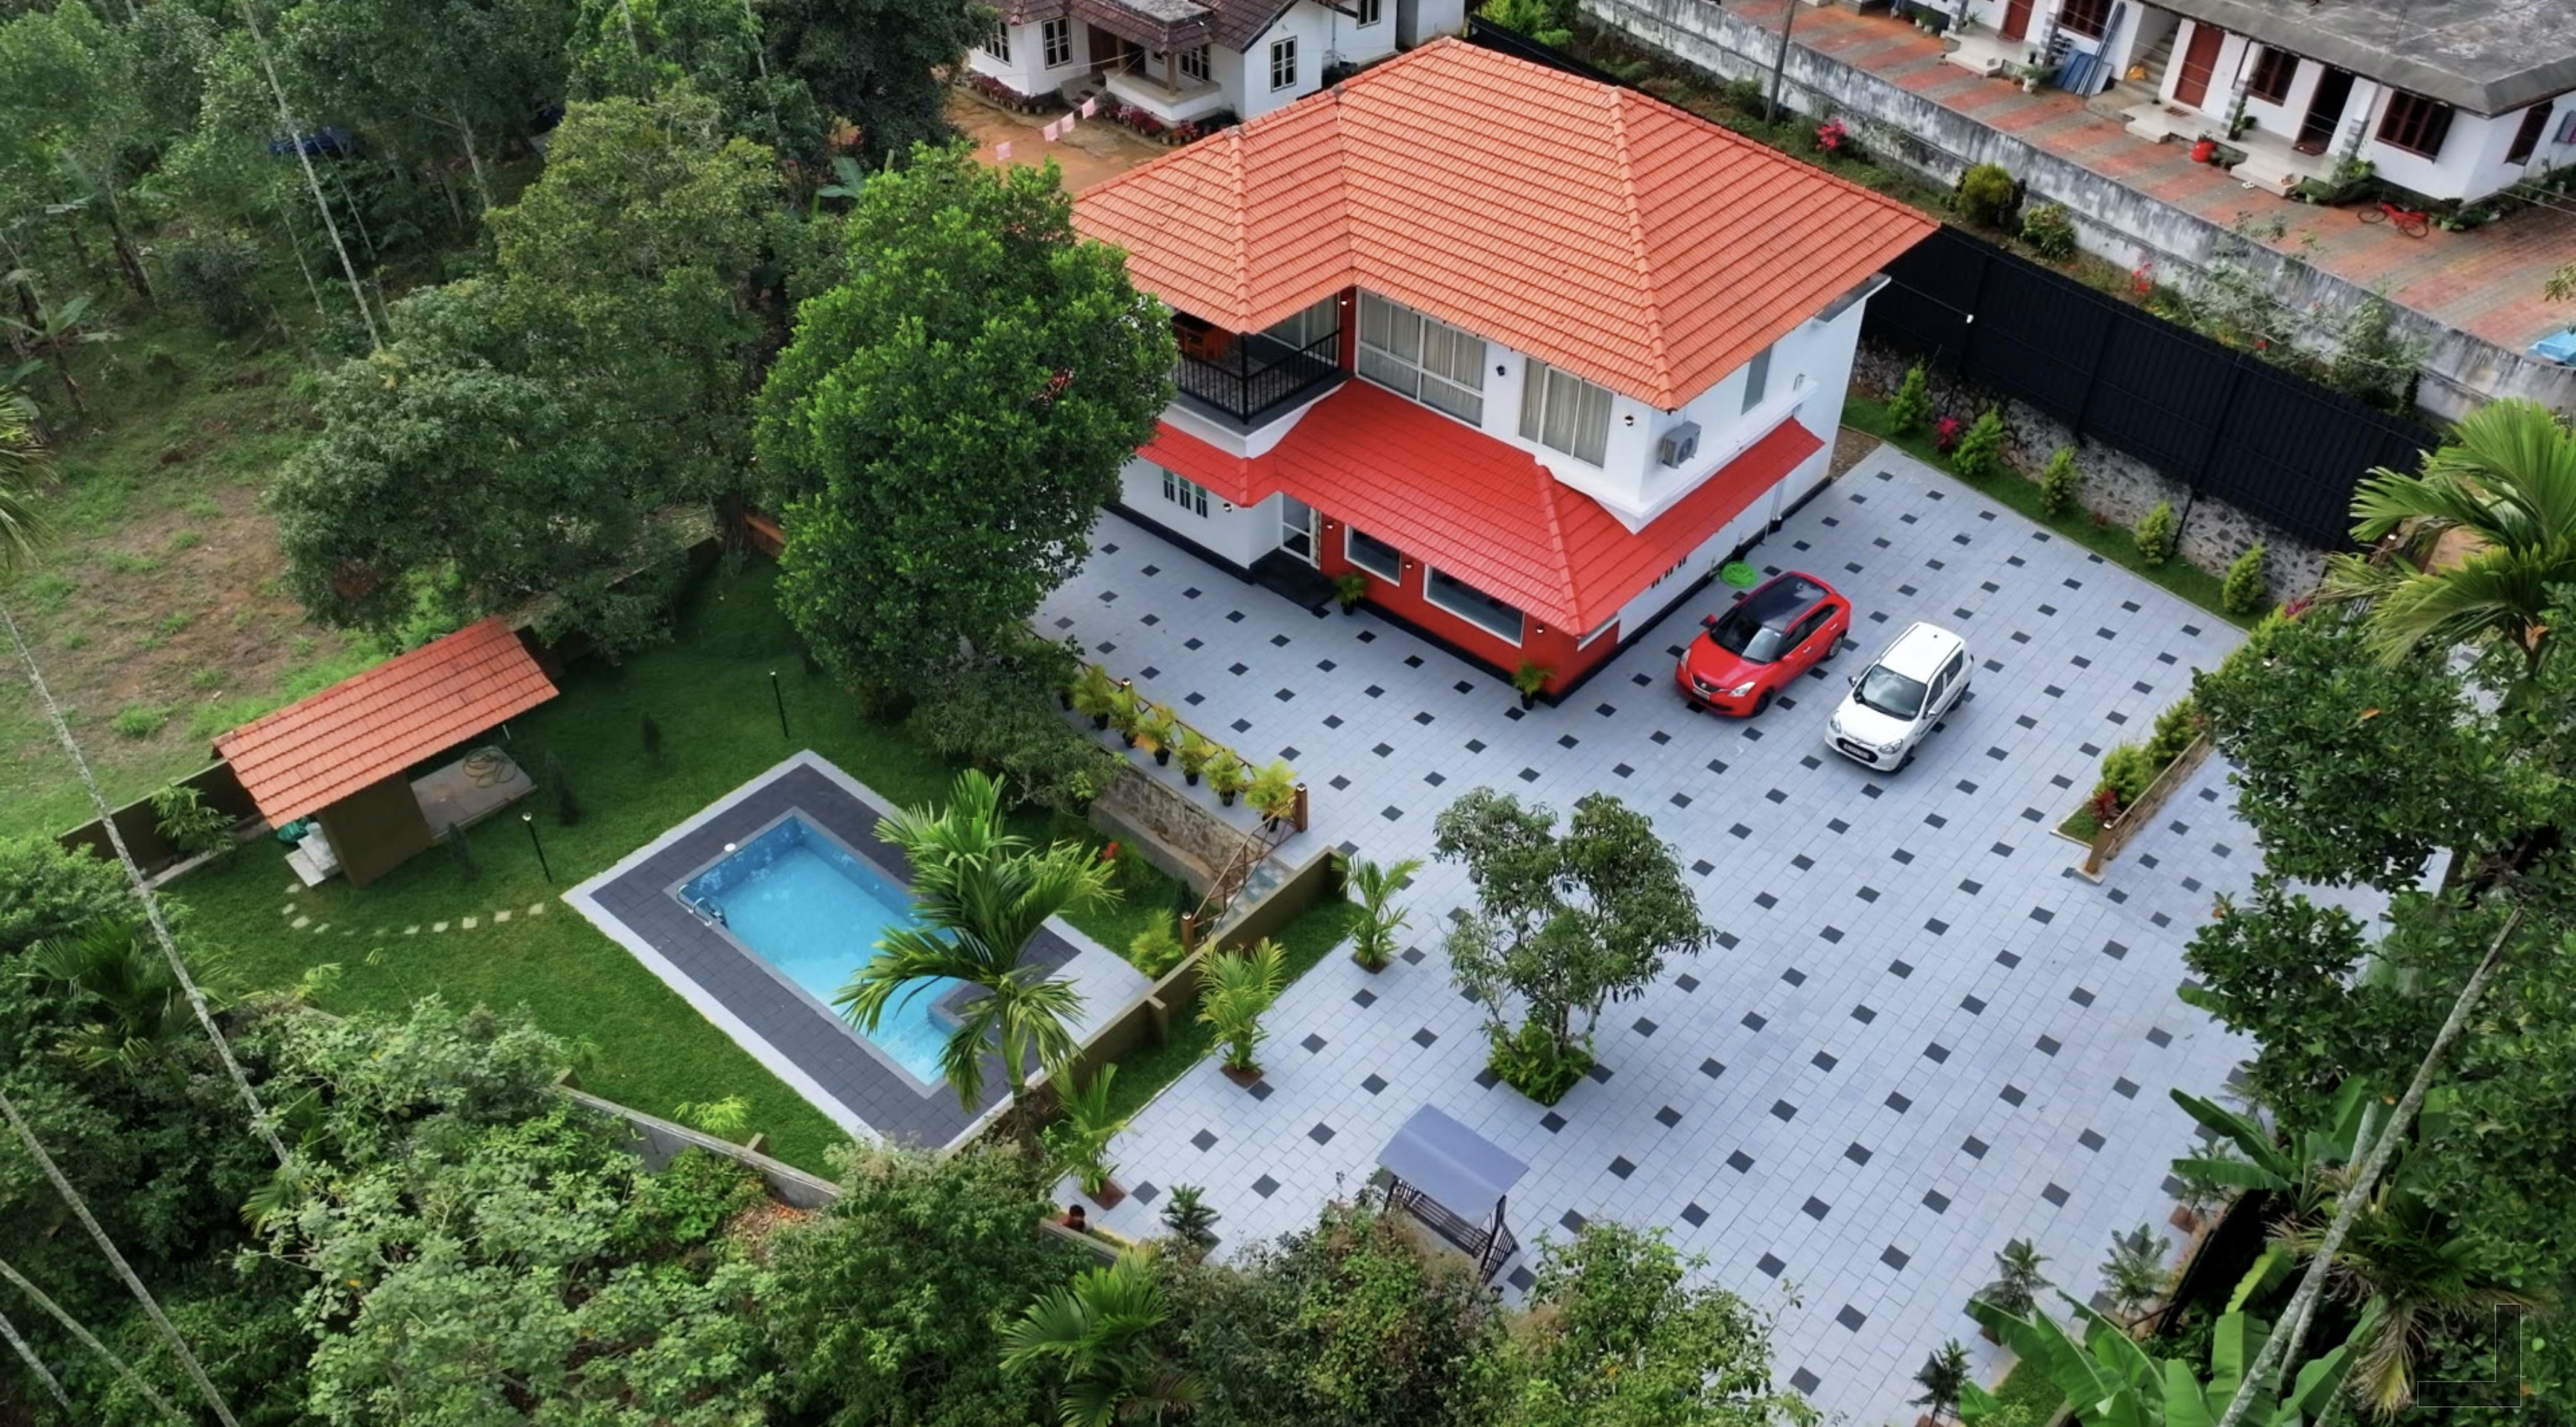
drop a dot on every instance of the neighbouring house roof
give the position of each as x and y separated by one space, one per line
1481 509
2485 56
1161 24
318 750
1593 227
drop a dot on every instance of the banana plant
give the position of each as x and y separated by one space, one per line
2110 1381
51 330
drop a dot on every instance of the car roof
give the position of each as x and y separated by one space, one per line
1919 652
1778 603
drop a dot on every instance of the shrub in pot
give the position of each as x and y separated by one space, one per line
1196 749
1126 713
1225 773
1373 886
1240 987
1274 792
1349 588
1160 728
1529 678
1094 695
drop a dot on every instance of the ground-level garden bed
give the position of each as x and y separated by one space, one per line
479 937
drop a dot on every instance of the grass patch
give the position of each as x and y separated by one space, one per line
1143 1076
140 720
2176 576
709 692
2032 1391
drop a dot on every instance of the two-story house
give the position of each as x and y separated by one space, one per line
2451 99
1526 352
1187 61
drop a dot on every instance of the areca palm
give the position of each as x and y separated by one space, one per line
22 463
981 893
145 1008
1099 1334
2506 484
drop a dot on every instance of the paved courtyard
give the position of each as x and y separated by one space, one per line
1919 1034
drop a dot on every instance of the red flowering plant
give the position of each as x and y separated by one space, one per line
2142 279
1830 136
1946 433
2105 805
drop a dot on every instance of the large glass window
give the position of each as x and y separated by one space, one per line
1373 555
1194 64
1472 605
1283 63
1563 412
1058 35
1311 325
2088 18
2273 72
1188 494
1426 359
2527 138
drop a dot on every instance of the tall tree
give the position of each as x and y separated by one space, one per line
2492 516
980 894
644 49
1101 1336
949 419
878 63
541 434
71 103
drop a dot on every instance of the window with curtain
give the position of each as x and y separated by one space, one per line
1563 412
1424 358
1472 605
1373 555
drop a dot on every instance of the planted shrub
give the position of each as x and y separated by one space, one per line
190 826
2154 534
1156 949
2247 589
1981 451
1985 190
2060 482
1946 433
2176 727
213 273
1910 410
1744 96
2128 769
2050 231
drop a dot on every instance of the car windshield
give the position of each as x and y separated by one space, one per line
1744 634
1889 692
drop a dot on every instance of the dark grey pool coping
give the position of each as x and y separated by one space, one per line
744 994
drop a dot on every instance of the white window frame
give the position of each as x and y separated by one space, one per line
1188 494
1535 423
1757 381
1352 535
1056 38
1441 366
997 42
1371 11
1431 579
1192 63
1283 63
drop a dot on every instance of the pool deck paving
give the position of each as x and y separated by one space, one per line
1918 1034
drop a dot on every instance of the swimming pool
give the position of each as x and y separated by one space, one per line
809 907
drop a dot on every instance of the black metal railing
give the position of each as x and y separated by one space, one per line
1253 373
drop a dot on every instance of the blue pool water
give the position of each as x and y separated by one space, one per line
809 908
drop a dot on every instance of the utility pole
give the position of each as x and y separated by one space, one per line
1780 60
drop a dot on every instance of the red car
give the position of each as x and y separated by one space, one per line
1774 633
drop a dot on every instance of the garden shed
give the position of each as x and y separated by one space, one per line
342 758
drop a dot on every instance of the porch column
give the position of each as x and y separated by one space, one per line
2358 106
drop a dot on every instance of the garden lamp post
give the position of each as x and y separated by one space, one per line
780 700
529 821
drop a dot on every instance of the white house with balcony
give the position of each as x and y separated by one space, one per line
1190 61
1523 354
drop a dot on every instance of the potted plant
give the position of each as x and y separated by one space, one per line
1225 773
1943 1378
1374 887
1274 792
1094 695
1159 728
1189 1220
1126 712
1349 588
1529 678
1196 749
1080 1141
1240 987
2018 1280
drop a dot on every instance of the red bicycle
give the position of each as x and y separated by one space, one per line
2409 221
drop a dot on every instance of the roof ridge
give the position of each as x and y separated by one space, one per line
1242 221
1563 564
1659 352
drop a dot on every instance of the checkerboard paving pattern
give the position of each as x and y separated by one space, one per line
1918 1034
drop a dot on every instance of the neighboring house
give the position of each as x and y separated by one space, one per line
1526 352
2451 99
1186 61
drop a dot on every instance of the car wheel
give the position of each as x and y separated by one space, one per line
1761 704
1905 762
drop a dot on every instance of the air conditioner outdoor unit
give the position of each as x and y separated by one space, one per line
1679 444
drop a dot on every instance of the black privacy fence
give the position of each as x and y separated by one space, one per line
2229 425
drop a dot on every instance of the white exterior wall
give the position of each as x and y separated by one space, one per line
1027 71
1240 534
1312 27
1418 21
2471 164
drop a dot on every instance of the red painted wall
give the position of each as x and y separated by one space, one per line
1542 644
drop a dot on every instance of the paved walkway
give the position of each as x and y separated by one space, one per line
2485 282
1919 1035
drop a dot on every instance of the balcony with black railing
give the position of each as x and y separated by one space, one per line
1247 377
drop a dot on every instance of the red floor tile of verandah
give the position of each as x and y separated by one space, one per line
2485 282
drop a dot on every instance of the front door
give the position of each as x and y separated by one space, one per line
1297 528
2016 19
2199 62
2325 111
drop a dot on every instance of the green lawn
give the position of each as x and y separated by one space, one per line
2179 576
710 691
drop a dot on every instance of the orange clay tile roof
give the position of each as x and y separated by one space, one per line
316 751
1481 509
1596 228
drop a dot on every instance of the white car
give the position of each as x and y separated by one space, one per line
1900 696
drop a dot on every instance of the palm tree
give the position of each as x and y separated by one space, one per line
2506 484
147 1014
981 893
1373 886
1099 1334
1240 986
1943 1376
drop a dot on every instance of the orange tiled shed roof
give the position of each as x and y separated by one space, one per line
318 750
1483 510
1594 227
